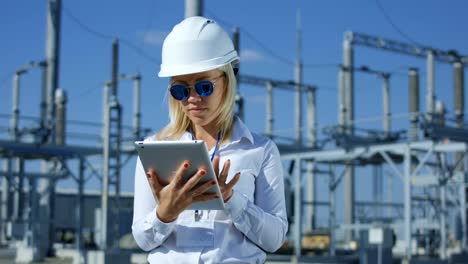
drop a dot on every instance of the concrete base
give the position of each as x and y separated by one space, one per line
108 257
139 258
27 254
428 261
72 254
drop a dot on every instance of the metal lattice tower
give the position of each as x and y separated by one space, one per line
112 138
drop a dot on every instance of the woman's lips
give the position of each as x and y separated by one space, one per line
196 110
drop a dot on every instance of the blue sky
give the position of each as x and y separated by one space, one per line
85 57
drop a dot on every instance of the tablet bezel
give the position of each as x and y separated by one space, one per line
165 157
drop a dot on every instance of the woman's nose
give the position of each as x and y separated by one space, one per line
193 95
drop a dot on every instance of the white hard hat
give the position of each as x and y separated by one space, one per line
196 44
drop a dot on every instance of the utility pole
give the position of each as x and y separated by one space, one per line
136 122
42 243
52 83
298 80
239 99
193 8
413 84
311 142
115 66
459 92
341 100
310 179
111 167
105 170
112 136
136 106
348 82
79 213
269 110
430 99
386 103
61 111
298 111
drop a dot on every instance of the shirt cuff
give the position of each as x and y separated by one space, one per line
236 206
159 227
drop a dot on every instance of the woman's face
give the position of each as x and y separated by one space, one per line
202 110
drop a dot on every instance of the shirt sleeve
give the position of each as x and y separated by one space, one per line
149 232
265 221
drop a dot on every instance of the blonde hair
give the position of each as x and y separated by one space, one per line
180 123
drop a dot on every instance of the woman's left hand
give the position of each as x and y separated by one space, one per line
226 188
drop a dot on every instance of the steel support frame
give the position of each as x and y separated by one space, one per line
425 149
15 214
298 208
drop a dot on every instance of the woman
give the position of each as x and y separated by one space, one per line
197 56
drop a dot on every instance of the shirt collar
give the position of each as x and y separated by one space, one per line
240 131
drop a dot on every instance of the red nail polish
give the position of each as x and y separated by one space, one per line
213 182
186 165
203 172
216 196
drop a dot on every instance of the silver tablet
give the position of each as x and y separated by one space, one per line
165 157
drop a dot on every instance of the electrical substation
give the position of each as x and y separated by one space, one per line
429 158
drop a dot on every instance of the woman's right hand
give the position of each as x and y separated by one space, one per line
175 197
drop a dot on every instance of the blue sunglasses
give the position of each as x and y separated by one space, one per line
204 88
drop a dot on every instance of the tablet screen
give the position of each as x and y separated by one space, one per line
165 157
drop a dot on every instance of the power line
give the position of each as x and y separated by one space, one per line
326 87
259 43
270 51
140 52
150 20
389 20
98 34
327 65
90 90
85 27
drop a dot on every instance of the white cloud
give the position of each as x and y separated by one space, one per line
153 37
250 55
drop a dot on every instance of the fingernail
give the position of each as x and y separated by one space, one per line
185 165
203 172
213 182
216 196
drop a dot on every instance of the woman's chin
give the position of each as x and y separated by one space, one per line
200 120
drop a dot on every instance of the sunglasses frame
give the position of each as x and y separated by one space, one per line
185 90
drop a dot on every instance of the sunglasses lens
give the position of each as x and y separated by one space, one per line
204 88
179 92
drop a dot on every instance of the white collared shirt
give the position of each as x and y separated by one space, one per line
254 219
